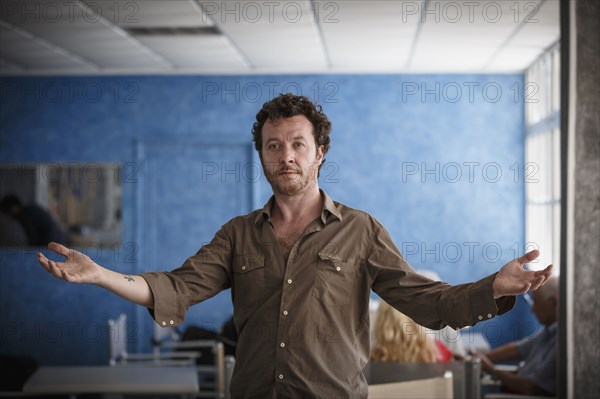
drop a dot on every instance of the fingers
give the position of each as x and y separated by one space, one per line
537 283
54 269
547 272
51 266
528 257
66 276
59 249
44 262
541 277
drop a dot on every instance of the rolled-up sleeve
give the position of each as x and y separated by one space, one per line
200 277
432 304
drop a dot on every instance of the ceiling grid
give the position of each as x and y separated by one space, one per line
72 37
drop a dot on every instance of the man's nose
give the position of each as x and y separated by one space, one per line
288 155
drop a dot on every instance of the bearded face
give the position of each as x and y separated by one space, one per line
289 155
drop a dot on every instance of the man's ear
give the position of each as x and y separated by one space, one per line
320 154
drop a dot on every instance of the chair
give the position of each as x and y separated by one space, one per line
229 365
216 375
426 388
119 356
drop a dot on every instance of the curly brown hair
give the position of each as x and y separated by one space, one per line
288 105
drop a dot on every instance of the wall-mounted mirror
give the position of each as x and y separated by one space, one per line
77 204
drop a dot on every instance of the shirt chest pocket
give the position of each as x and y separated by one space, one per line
249 274
334 279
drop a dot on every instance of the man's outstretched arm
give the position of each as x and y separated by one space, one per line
80 268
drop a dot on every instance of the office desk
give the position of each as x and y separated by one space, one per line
113 380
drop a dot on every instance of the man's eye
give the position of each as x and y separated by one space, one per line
299 144
273 146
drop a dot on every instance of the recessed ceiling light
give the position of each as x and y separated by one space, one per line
178 31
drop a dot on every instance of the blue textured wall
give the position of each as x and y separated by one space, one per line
437 158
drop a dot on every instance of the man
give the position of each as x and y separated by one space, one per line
538 374
301 270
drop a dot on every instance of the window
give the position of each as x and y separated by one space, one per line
542 158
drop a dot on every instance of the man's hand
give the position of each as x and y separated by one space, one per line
513 279
77 267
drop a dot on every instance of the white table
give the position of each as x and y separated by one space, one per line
113 380
427 388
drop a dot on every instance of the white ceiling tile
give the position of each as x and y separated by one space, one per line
31 54
542 29
84 34
268 34
10 67
537 33
151 13
190 52
377 35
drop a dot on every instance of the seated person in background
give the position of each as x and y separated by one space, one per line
538 351
12 233
38 224
399 339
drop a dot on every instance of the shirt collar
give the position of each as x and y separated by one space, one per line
329 207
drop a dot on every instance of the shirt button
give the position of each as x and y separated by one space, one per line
243 267
171 322
282 344
289 281
164 323
338 268
489 315
281 376
480 317
285 312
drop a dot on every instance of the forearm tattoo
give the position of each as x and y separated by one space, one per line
128 278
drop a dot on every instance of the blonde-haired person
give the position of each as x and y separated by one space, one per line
397 338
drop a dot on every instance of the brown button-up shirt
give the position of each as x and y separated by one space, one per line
303 324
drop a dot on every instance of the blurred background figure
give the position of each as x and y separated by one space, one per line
537 372
397 338
11 232
39 226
